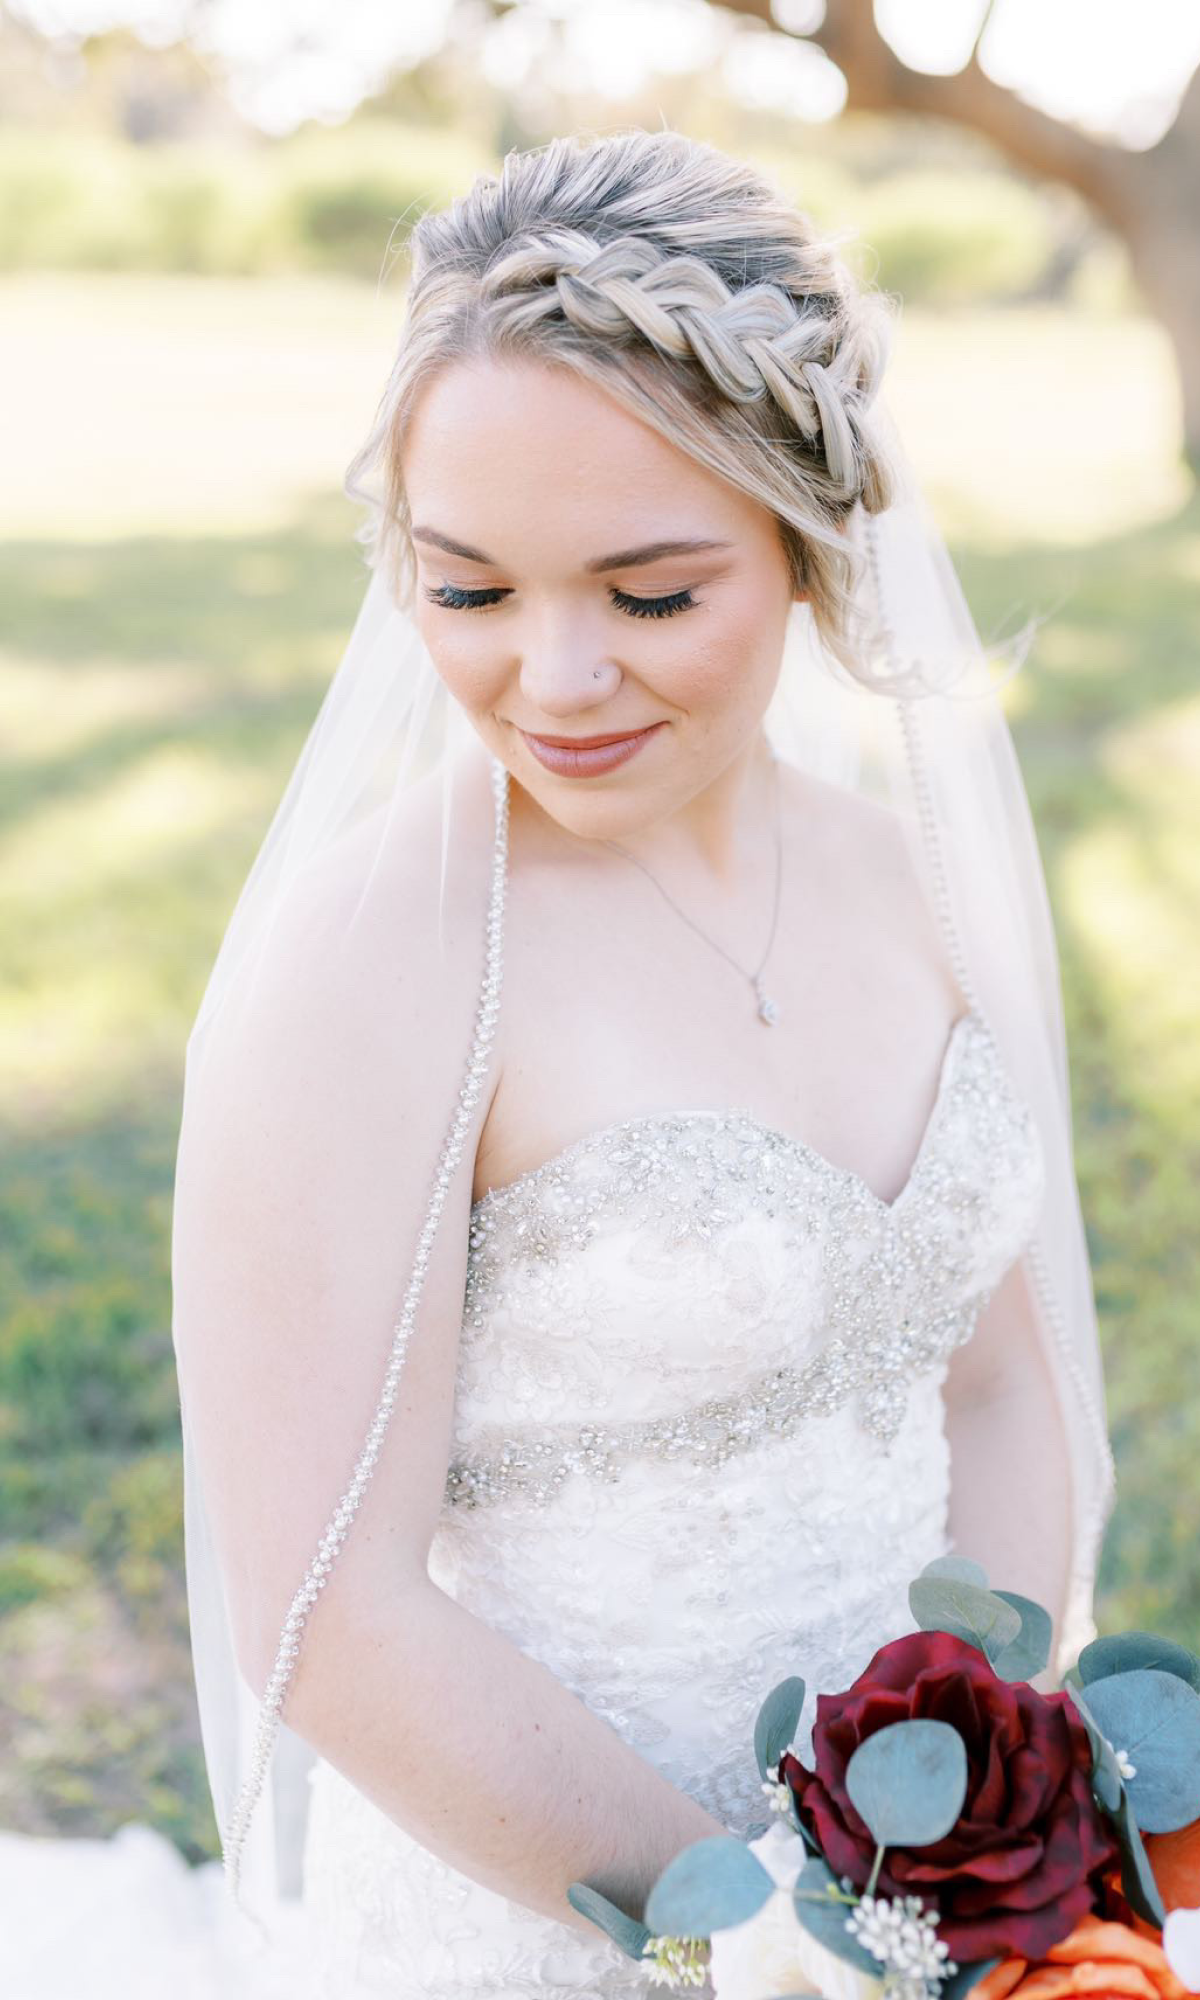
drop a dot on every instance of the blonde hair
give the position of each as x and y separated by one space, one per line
680 281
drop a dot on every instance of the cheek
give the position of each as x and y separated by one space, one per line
728 663
464 658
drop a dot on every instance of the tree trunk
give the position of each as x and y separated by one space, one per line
1164 251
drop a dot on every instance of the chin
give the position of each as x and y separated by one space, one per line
587 812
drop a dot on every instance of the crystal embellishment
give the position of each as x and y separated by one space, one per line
899 1285
710 1433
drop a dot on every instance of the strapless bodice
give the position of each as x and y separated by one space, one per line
685 1285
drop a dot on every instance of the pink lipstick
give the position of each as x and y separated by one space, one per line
587 756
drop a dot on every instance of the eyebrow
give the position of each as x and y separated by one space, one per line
647 552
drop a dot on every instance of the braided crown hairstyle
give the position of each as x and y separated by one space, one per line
677 279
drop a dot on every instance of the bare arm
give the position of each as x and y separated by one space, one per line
480 1753
300 1196
1010 1503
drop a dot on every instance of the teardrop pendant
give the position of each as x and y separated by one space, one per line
767 1010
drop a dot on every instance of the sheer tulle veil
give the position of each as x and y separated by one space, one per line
928 738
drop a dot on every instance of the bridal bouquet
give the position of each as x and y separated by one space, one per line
959 1831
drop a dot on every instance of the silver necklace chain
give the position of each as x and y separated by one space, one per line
768 1009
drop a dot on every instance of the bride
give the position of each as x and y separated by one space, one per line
646 992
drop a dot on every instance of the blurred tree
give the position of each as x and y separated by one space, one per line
1145 198
112 82
1148 197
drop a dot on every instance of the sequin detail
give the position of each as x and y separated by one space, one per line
886 1291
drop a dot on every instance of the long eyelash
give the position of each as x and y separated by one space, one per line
654 607
453 598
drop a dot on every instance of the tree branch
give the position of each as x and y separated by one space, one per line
877 80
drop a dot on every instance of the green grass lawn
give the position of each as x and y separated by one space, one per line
178 579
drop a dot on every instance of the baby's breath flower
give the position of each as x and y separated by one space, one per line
899 1932
778 1793
1124 1766
676 1961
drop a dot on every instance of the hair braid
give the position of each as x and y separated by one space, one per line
678 279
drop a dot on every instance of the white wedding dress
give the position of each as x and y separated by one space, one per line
699 1445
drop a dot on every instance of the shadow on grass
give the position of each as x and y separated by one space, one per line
250 628
96 1696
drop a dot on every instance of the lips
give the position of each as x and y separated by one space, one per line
587 742
588 756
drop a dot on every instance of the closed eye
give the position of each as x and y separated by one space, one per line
452 598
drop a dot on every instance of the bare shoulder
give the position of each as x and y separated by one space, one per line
851 824
866 849
420 858
370 972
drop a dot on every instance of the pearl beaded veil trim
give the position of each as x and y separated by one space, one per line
339 1523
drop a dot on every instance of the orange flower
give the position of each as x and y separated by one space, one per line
1175 1859
1175 1862
1097 1958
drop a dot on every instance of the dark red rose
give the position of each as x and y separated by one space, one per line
1026 1857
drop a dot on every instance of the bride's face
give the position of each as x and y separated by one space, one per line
577 576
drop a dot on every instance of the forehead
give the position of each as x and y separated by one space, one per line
499 450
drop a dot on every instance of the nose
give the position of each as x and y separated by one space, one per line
567 679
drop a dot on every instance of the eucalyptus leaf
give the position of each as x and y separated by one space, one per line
625 1931
1122 1652
777 1722
1029 1652
1137 1876
1107 1782
708 1886
908 1781
961 1982
960 1567
943 1604
1155 1717
824 1916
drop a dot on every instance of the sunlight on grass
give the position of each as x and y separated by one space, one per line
170 799
1066 648
1069 426
52 711
1135 907
187 402
1133 884
102 965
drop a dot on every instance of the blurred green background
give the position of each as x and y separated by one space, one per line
193 334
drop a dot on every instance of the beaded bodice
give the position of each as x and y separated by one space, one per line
599 1285
698 1444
